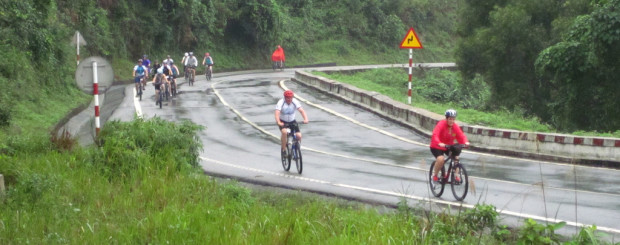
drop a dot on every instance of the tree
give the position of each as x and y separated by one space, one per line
583 72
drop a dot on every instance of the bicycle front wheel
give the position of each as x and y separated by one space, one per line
297 156
286 160
459 188
437 187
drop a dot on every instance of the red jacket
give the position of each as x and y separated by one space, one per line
443 134
278 55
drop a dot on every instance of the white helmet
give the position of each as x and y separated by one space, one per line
451 113
186 54
160 70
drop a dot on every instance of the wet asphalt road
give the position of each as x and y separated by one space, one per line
356 154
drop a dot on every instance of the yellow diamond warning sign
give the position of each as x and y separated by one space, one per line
411 40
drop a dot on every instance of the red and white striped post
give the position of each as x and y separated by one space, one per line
410 42
410 74
96 95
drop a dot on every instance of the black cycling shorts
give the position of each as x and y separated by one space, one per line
437 152
292 125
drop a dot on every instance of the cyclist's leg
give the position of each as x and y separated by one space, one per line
439 160
283 135
297 132
456 152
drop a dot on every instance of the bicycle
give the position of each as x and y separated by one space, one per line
459 188
208 74
293 148
190 75
186 74
278 65
173 87
160 95
139 87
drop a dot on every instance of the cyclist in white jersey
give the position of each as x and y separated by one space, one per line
285 113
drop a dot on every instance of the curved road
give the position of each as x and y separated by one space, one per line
355 154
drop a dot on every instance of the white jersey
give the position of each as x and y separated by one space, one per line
168 61
192 61
287 111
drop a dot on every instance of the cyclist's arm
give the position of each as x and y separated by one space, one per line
278 121
435 139
303 114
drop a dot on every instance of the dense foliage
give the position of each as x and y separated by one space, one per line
556 60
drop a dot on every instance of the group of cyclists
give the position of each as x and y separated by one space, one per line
167 72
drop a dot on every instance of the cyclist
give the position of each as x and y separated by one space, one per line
139 72
285 114
168 60
192 63
158 81
184 62
146 62
445 133
208 61
173 73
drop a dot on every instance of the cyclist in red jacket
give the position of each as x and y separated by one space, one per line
445 133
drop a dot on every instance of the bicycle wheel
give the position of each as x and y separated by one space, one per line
459 189
161 99
140 91
297 157
286 160
437 187
191 79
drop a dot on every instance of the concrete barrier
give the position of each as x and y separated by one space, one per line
597 151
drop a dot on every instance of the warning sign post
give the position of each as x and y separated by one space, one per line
410 41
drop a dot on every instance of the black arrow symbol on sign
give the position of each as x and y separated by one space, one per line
410 39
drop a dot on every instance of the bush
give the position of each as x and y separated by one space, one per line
142 145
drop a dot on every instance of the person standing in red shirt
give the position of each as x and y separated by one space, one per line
445 133
278 56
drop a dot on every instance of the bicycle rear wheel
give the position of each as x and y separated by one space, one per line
437 187
459 188
297 157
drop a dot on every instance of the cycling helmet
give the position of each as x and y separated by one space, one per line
186 54
171 63
191 53
140 61
160 70
144 56
450 113
288 93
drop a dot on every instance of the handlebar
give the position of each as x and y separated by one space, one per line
457 146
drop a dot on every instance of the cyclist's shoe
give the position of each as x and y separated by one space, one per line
284 155
435 179
457 179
